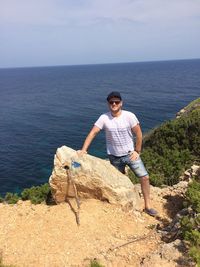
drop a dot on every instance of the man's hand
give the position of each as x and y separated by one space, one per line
81 152
95 130
134 155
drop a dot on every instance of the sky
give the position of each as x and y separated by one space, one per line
73 32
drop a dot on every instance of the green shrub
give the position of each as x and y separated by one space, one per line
157 179
1 199
11 198
190 228
190 224
195 254
193 195
36 194
134 179
94 263
171 148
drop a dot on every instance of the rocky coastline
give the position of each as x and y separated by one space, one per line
107 224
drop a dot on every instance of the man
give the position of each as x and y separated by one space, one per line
120 125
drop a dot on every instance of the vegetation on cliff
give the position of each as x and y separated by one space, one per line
168 151
190 224
173 147
36 194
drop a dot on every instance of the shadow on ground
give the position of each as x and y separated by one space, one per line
173 205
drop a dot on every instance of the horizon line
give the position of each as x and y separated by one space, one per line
92 64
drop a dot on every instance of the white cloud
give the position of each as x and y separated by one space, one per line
57 12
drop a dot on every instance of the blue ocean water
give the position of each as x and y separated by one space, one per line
44 108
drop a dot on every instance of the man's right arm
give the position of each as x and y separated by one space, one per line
94 131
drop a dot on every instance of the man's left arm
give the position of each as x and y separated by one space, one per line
138 133
138 145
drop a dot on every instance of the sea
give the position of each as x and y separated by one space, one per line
43 108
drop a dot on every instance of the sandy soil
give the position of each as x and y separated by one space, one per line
48 236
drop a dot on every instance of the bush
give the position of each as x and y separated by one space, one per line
1 199
11 198
193 195
195 254
190 228
134 179
171 148
190 224
94 263
36 194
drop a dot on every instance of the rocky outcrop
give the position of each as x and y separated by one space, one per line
93 178
192 106
190 173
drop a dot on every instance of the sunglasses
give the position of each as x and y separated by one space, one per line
111 102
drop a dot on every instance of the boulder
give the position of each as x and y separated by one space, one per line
93 178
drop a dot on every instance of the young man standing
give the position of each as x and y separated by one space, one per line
119 126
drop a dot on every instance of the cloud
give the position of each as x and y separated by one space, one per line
44 32
80 12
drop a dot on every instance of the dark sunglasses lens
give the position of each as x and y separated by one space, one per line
116 102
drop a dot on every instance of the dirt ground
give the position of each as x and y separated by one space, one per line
48 236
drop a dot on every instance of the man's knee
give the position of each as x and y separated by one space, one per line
144 178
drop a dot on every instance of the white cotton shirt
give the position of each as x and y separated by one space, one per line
119 137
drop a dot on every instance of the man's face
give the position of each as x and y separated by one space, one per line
115 104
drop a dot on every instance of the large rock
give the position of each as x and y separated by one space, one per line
94 178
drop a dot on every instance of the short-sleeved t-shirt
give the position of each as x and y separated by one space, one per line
119 137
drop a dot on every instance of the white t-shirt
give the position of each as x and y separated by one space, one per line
119 137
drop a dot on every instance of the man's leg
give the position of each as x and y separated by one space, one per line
117 163
140 171
145 187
